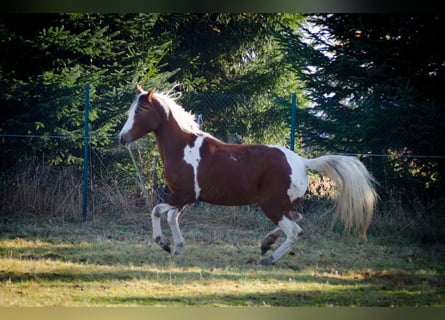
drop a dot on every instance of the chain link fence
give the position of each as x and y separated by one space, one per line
33 187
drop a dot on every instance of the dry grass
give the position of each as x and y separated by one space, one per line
97 264
41 190
37 191
56 192
49 258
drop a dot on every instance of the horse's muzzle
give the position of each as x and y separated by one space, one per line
123 141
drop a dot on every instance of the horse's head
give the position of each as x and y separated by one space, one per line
143 117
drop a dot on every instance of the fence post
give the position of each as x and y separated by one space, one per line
85 153
293 116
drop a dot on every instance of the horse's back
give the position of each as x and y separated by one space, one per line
231 174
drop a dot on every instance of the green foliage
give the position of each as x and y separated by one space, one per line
225 52
242 118
365 83
109 53
45 68
374 84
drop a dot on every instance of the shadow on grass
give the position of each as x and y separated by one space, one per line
355 295
374 281
373 289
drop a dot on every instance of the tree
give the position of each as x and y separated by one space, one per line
47 59
374 81
222 52
46 62
236 62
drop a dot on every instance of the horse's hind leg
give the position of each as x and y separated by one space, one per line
178 239
156 215
292 230
269 240
272 236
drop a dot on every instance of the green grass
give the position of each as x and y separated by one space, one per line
106 262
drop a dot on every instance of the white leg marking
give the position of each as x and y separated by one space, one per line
273 232
192 156
178 239
156 213
298 174
292 231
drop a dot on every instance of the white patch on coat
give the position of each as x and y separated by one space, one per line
192 156
298 174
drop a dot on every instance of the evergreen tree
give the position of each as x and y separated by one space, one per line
375 83
224 52
47 59
46 62
235 60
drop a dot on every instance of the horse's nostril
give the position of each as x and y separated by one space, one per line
122 140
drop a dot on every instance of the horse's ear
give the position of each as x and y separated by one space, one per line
139 88
150 94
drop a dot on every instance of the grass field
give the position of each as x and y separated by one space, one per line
110 261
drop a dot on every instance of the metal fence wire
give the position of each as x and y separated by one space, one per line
240 118
113 186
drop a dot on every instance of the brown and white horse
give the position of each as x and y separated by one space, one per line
199 167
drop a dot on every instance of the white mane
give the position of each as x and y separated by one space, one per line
185 119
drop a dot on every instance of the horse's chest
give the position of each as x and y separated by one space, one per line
182 173
192 156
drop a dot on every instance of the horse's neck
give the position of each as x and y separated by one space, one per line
171 141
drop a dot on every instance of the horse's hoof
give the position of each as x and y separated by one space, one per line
178 249
267 261
166 247
163 243
264 249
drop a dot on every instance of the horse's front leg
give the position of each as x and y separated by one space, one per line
156 215
178 239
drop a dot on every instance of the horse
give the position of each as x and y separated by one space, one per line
199 167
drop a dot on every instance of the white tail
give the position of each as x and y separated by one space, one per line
356 197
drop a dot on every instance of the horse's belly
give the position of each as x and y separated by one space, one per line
229 190
228 199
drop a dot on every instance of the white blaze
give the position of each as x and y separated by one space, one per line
298 175
131 114
192 156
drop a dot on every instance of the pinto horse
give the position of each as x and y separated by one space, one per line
199 167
